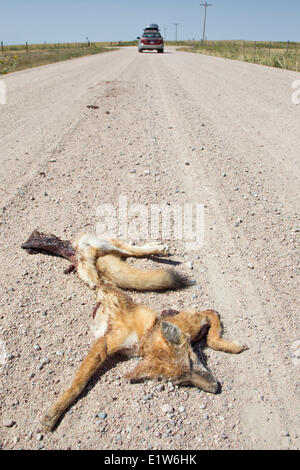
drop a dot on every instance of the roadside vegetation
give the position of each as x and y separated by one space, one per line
284 55
23 56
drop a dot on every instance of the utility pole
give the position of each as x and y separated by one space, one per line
205 5
176 24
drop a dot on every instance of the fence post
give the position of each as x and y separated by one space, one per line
288 45
269 47
27 46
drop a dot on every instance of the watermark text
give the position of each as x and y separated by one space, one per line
296 94
2 92
152 222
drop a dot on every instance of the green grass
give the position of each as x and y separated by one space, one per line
275 54
18 57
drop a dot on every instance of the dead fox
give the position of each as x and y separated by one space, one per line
164 345
123 326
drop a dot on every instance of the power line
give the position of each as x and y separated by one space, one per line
176 24
205 5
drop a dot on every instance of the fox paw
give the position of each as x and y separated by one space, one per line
240 347
161 249
48 421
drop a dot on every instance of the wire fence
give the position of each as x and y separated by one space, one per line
27 47
281 54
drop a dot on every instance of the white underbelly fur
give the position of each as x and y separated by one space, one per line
129 345
100 325
130 341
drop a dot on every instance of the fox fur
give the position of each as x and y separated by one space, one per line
105 259
124 326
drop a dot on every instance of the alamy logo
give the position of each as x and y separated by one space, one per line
152 222
2 92
296 94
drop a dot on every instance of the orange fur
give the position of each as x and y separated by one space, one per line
98 258
163 344
127 277
121 325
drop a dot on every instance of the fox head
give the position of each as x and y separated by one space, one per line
168 355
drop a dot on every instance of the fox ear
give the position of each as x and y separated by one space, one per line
171 332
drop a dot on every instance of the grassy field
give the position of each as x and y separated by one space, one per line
19 57
284 55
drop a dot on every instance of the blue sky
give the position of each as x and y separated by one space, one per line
73 20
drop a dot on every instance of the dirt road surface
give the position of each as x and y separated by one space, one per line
172 128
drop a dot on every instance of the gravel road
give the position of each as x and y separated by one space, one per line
172 128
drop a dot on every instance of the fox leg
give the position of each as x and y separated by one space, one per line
140 251
191 322
214 339
87 258
86 267
100 350
89 248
